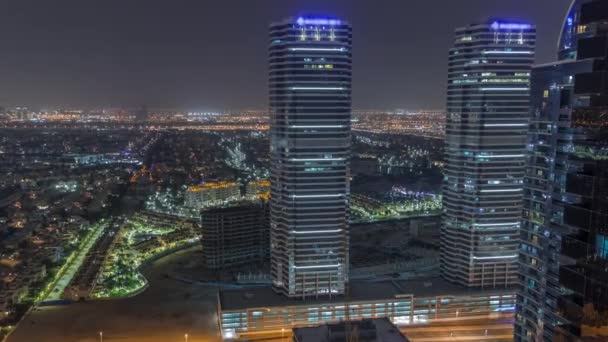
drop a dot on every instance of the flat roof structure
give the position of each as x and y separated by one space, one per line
250 312
239 299
369 330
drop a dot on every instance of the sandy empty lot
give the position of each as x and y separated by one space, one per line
163 313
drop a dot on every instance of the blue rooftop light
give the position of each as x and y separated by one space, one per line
317 21
510 26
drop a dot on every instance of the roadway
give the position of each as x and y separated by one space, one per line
69 270
495 330
479 330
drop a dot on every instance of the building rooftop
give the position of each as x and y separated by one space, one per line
260 183
212 185
234 206
239 299
368 330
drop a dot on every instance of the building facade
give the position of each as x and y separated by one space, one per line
583 271
198 196
235 234
245 314
487 121
563 294
259 188
310 104
549 145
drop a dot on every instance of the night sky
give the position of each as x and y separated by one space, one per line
211 54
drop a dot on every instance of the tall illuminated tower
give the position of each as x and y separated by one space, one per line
563 294
310 108
487 121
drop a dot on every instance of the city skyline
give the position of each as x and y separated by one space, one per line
308 220
67 54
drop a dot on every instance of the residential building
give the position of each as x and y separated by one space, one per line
258 188
198 196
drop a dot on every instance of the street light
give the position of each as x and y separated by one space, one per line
186 337
101 336
282 333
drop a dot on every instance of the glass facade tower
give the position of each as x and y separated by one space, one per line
563 293
310 104
487 121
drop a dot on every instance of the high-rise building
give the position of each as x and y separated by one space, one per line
563 294
235 234
310 108
549 138
487 121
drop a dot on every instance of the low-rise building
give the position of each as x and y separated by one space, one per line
249 312
198 196
235 234
368 330
258 188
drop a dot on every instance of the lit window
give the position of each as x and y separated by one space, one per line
581 29
602 246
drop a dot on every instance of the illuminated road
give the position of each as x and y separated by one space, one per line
482 330
495 330
68 271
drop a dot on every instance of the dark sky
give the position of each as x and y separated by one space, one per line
211 54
